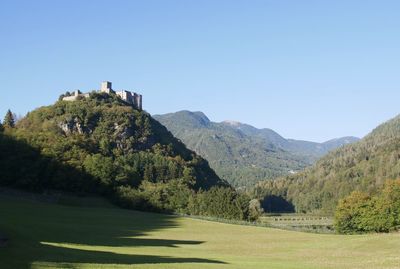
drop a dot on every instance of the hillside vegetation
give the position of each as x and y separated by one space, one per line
363 166
103 145
243 154
57 236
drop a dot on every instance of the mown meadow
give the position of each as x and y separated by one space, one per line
76 234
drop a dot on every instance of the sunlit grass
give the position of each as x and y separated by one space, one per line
55 236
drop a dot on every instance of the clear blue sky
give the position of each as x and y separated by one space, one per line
310 70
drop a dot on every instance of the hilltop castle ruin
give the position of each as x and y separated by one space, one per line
132 98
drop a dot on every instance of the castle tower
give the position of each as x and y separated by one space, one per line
106 87
137 101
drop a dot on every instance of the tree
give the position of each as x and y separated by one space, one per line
255 209
349 213
101 167
9 120
390 198
1 127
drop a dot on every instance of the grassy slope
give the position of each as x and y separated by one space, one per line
50 235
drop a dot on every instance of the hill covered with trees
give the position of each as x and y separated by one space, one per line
243 154
363 166
105 146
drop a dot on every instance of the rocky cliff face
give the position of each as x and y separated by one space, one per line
72 126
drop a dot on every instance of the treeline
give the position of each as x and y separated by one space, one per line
174 196
102 145
360 212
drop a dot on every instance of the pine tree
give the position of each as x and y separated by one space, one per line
1 127
9 120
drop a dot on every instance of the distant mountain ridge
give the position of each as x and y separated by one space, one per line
314 150
241 153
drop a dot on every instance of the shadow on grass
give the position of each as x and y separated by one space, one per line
103 257
49 233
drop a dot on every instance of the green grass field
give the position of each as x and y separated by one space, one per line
45 235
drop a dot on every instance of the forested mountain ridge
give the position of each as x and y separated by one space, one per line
241 153
307 149
104 145
362 166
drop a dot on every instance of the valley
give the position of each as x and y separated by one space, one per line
242 154
199 135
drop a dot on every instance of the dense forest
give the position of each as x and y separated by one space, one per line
242 154
363 166
102 145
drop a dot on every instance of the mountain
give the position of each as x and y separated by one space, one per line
310 150
241 153
100 144
316 150
362 166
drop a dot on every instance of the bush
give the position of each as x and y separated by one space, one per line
255 210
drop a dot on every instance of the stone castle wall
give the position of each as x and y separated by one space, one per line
106 87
